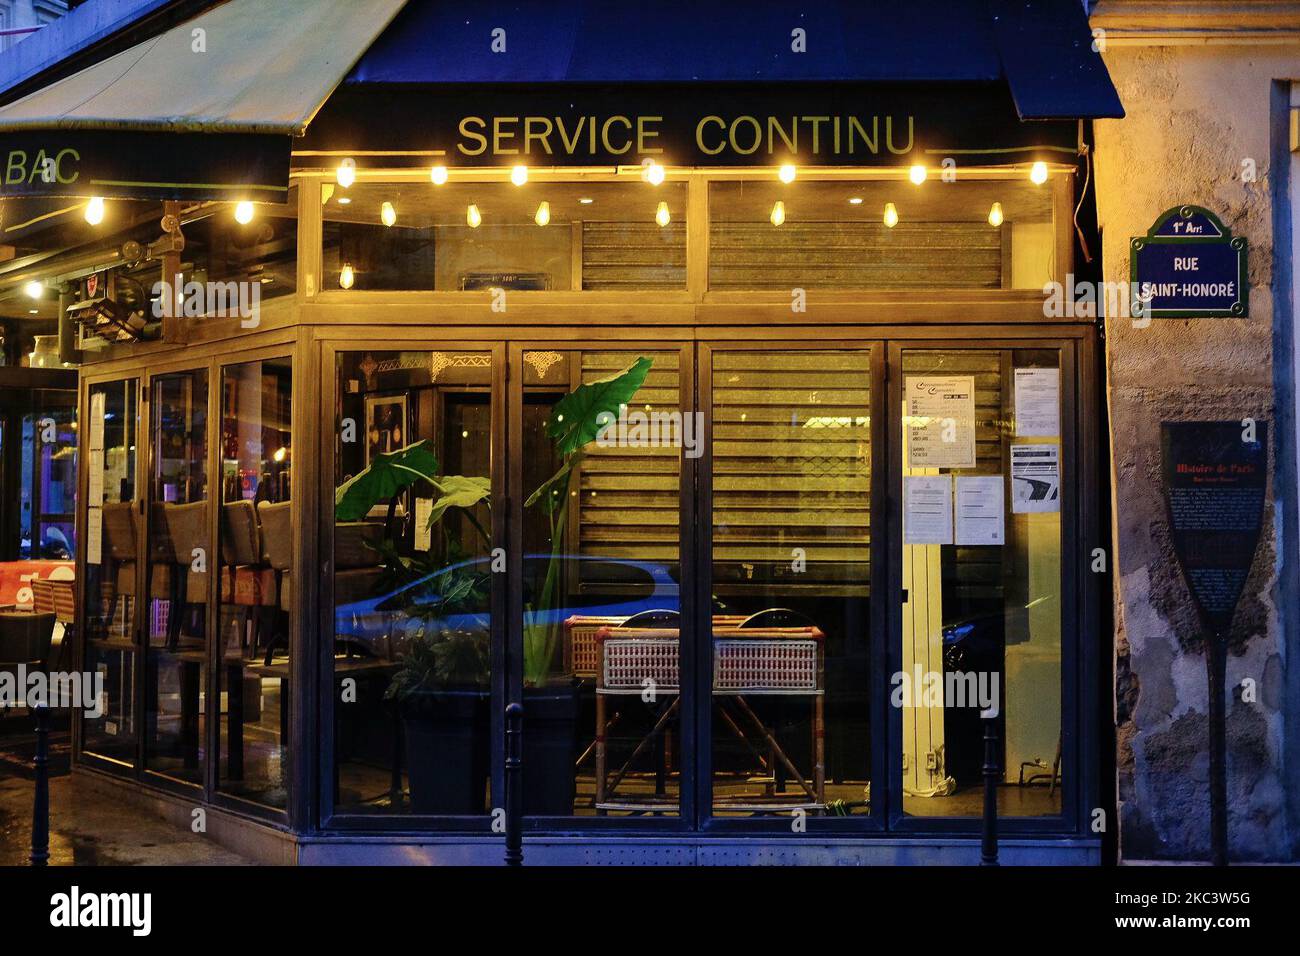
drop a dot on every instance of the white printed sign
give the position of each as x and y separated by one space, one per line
927 509
940 421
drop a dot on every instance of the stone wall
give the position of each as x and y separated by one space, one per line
1196 112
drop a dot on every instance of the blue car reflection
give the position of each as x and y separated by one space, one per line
380 625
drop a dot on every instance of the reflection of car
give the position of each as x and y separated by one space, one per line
626 587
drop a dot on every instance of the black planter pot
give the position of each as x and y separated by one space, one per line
550 749
448 759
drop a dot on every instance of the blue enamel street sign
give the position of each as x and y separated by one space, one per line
1188 266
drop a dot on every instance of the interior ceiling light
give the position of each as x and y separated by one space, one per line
34 289
654 173
891 215
387 214
778 213
346 174
244 212
519 175
438 175
1038 173
995 214
472 217
786 173
543 215
346 276
662 215
916 174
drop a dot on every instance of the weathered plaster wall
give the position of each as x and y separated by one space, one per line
1195 113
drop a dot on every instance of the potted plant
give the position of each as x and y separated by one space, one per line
551 700
441 685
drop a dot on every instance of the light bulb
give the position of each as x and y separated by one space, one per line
387 214
586 200
95 211
438 175
786 173
543 215
519 175
662 215
1038 173
995 214
916 174
654 173
472 217
855 200
244 212
891 215
34 289
346 276
346 174
778 213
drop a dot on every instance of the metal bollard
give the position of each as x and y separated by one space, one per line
514 782
989 843
41 802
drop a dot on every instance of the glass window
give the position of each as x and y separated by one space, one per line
982 578
256 565
177 581
412 583
465 236
772 235
792 530
112 553
603 437
49 480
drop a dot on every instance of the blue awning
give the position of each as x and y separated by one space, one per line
1040 48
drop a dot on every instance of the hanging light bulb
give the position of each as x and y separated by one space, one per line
891 215
1038 173
34 289
346 174
995 214
346 276
543 215
387 214
778 213
916 174
472 217
786 173
95 211
438 175
244 212
519 175
662 215
654 173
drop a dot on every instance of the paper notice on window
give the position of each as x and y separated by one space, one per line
940 421
423 533
927 509
980 518
94 535
1035 478
95 493
97 421
1038 402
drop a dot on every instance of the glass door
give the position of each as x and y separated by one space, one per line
789 686
984 483
179 555
112 554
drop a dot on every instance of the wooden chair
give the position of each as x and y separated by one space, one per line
277 553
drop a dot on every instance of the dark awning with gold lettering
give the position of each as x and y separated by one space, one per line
719 82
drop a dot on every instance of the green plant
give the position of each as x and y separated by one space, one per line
575 421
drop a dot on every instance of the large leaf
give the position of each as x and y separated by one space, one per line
573 421
459 491
388 474
551 492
